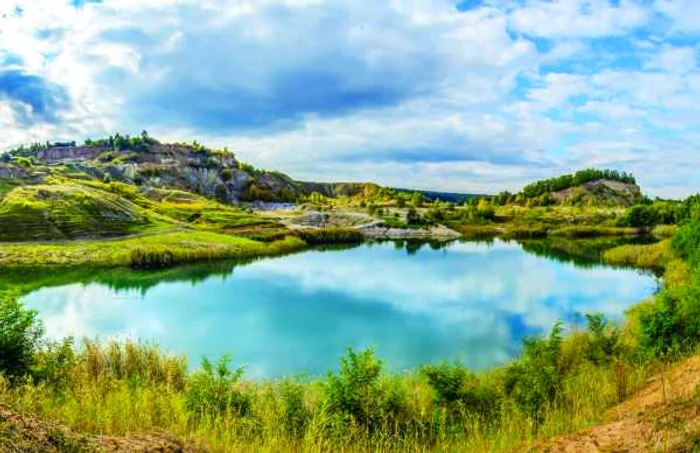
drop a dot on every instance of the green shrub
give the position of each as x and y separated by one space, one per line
54 363
295 413
107 156
603 340
356 394
20 337
212 390
25 162
246 168
661 327
535 380
461 392
640 216
412 217
672 325
142 258
686 242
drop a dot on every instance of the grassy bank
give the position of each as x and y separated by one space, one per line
514 230
156 251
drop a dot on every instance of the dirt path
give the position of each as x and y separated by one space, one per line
25 433
663 417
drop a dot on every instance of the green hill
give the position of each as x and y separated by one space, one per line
590 187
67 211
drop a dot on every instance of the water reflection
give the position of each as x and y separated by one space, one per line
296 314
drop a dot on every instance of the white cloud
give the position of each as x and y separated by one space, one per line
674 59
578 18
685 14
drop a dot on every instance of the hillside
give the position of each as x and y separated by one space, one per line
128 186
663 416
67 211
590 187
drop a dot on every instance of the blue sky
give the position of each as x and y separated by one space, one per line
475 95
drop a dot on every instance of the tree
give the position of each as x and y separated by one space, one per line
412 216
417 199
20 336
484 210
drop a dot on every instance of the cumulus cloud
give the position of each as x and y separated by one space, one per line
472 95
578 18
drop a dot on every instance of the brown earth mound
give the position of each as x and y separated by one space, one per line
25 433
663 417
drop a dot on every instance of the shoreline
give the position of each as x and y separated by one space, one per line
170 248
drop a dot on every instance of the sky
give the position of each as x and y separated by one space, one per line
467 96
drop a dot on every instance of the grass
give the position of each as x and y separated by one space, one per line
655 257
50 212
514 222
179 247
134 388
589 231
321 236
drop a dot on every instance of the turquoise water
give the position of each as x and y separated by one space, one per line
297 314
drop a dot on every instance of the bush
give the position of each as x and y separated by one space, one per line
295 414
640 216
686 243
54 363
412 217
535 380
602 339
212 390
484 210
661 327
458 390
246 168
355 393
672 325
20 337
151 259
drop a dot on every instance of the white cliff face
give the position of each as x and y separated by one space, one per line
212 174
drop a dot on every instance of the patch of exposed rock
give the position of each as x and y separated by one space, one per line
435 232
331 219
603 192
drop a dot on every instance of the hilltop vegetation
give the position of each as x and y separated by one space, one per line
573 180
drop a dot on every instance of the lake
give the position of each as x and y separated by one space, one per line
414 303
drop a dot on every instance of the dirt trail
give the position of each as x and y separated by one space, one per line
663 417
25 433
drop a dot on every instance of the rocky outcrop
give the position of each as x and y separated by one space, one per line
331 219
600 193
436 232
336 189
61 154
176 166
